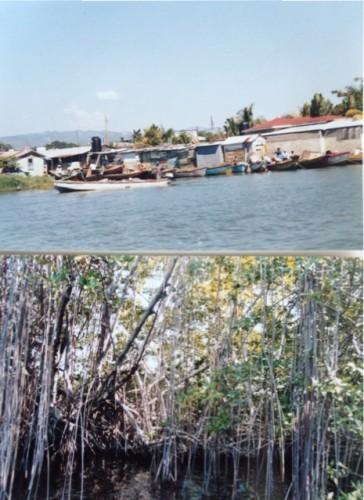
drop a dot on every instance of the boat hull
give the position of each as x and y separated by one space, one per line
317 162
355 158
257 166
283 166
333 159
79 186
218 169
240 168
191 172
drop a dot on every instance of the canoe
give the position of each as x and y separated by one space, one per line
280 166
340 158
223 168
239 168
108 185
190 172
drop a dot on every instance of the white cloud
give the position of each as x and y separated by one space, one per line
83 118
107 95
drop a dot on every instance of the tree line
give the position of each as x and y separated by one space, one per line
175 358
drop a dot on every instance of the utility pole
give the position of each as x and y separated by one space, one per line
106 130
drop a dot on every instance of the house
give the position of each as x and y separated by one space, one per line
345 134
242 146
29 161
65 156
283 123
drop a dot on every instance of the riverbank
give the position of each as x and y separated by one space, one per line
12 182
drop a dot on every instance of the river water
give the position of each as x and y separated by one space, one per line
306 210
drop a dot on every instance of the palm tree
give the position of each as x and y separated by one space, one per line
153 135
168 135
231 126
352 97
137 136
246 115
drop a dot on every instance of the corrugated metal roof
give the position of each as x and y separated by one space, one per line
240 139
64 152
343 123
293 122
20 154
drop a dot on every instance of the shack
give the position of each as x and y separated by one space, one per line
208 155
242 146
67 157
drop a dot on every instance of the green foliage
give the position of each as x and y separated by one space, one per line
13 182
231 126
10 161
60 145
318 106
5 147
352 97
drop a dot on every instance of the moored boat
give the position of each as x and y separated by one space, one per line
257 166
355 157
239 168
281 166
108 185
337 158
310 159
190 172
222 168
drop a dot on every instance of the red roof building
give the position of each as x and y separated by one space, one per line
281 123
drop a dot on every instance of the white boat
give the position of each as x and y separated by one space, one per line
108 185
190 172
340 158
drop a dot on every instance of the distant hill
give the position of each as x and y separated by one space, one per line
80 137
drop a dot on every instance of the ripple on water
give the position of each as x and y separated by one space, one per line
303 210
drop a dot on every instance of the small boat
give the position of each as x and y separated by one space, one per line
257 166
355 157
190 172
284 165
223 168
340 158
108 185
239 168
310 159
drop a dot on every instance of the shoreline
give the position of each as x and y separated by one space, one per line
10 183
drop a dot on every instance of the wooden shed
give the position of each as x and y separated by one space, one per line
242 146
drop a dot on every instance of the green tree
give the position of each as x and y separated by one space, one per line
60 145
231 126
182 138
318 106
352 98
137 136
10 161
153 135
5 147
168 136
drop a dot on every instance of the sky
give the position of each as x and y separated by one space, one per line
65 65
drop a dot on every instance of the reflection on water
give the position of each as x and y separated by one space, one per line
304 210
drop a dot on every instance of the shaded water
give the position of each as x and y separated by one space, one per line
113 479
305 210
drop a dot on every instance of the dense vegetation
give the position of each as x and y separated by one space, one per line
14 182
181 357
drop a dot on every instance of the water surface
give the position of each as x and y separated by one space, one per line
307 210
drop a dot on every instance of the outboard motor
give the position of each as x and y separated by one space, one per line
96 146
